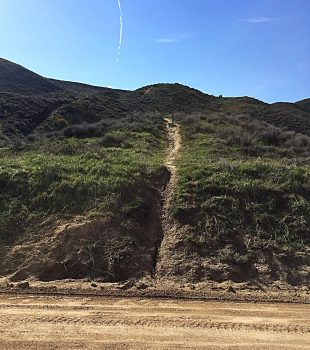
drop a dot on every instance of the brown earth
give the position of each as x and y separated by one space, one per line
32 322
171 231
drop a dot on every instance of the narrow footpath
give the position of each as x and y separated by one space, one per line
174 137
168 223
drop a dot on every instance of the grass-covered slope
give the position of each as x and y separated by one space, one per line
82 172
83 207
243 200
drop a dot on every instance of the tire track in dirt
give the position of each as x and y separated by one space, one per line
113 320
106 323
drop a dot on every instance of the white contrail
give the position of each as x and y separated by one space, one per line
120 30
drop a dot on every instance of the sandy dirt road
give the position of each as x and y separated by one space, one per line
42 322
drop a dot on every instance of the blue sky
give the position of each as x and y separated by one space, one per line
259 48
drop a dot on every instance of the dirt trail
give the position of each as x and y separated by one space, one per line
173 150
168 223
32 322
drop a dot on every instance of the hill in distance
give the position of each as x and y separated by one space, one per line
31 104
17 79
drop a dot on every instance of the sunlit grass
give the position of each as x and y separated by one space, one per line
61 179
225 192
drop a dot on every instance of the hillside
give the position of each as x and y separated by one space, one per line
241 208
33 106
304 104
17 79
165 184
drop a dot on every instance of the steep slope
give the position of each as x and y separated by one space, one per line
304 104
17 79
85 89
26 100
171 231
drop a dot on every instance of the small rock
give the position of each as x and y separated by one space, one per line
141 285
52 289
100 280
125 286
230 289
94 285
23 285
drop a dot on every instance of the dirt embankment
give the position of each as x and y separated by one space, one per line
110 250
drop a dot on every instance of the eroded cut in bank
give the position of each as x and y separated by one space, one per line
168 223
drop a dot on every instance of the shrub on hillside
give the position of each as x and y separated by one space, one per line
111 140
244 131
84 130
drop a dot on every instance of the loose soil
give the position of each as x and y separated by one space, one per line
171 232
61 322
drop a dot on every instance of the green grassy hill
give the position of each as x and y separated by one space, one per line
243 198
82 179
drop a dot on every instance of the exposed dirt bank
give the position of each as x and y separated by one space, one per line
147 288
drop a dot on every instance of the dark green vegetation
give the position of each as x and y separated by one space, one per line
18 80
33 107
81 172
